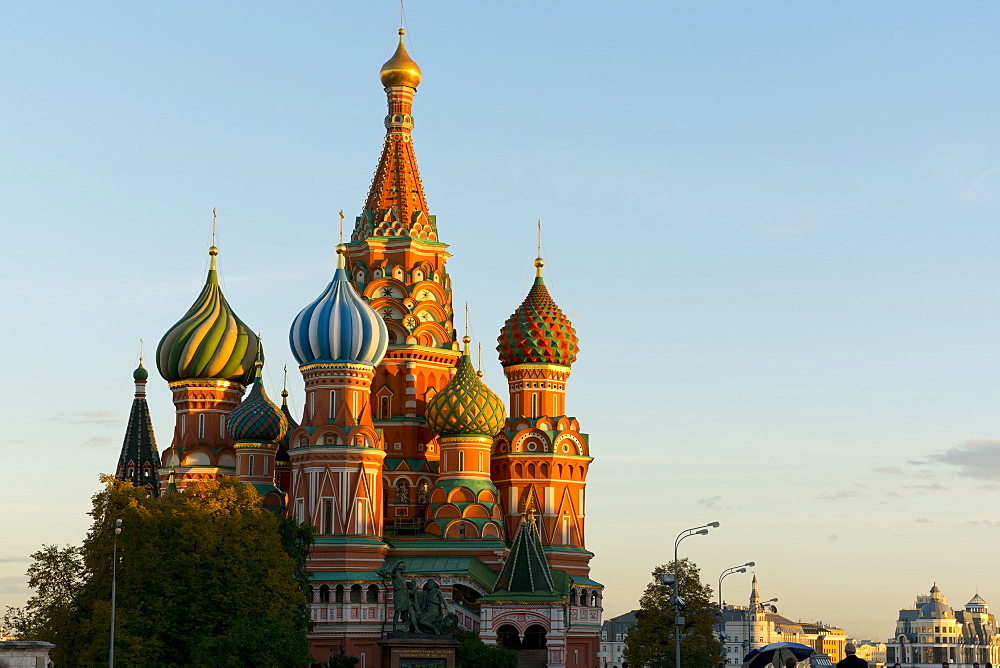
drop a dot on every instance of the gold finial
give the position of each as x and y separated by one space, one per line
467 321
479 371
400 69
140 351
213 250
539 262
284 386
341 251
341 238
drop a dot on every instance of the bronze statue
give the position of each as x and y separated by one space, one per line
419 611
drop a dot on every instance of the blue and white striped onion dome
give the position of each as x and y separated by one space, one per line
339 326
257 418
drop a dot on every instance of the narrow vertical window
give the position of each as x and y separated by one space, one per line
534 404
251 465
201 426
354 404
565 529
383 408
222 426
312 404
327 516
480 462
360 523
333 404
517 405
264 466
461 460
184 424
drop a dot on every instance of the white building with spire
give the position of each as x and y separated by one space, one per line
932 632
752 626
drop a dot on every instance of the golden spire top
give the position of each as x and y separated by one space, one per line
400 70
341 247
213 250
539 262
284 387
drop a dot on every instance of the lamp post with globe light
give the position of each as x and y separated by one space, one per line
677 601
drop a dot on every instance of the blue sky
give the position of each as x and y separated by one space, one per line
773 224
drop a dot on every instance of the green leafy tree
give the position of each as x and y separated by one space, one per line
205 578
474 653
650 643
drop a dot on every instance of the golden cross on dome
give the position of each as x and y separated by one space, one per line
140 351
341 214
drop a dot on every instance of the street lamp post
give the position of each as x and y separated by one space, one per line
749 640
678 601
722 627
114 584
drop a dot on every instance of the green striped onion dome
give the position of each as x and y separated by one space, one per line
256 418
465 406
210 341
538 332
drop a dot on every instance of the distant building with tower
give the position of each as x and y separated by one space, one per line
401 453
932 632
749 627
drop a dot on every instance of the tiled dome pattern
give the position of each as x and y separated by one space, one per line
256 418
466 407
538 332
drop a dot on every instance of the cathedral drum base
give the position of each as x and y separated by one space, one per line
418 651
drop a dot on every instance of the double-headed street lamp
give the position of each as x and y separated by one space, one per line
677 601
725 573
114 583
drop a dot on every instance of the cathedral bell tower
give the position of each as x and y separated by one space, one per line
397 261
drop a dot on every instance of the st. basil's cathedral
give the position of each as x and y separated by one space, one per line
402 453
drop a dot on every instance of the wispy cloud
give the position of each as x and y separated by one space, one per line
710 502
980 523
933 487
975 459
893 470
924 520
87 417
97 442
835 496
834 538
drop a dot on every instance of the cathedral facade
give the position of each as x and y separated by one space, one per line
402 453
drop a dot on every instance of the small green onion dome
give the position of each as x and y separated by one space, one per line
256 418
465 406
140 373
538 332
210 341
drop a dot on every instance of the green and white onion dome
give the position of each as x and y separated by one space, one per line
210 341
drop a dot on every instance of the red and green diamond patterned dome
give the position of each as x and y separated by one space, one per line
538 332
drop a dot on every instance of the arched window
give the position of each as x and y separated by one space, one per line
355 593
384 412
372 596
251 464
461 460
327 516
534 404
422 489
145 471
201 425
324 594
338 594
333 404
402 491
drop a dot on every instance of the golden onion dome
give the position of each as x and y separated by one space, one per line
466 406
400 70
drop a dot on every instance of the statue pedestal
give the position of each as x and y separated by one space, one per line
418 650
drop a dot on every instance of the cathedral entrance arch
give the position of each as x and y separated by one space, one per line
508 637
534 637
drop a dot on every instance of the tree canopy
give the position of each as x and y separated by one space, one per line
204 577
650 643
